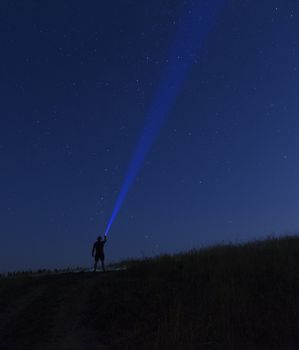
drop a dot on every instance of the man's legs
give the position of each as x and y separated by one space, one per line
95 265
103 264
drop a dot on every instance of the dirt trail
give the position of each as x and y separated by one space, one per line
49 313
17 306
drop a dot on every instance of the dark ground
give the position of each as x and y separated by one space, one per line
226 297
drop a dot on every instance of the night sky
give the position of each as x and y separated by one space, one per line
77 79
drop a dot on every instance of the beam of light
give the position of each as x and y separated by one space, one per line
189 39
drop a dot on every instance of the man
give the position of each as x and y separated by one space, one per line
98 252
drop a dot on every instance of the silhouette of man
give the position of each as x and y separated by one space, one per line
98 252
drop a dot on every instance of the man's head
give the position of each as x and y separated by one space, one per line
99 238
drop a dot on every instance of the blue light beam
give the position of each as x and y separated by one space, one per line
189 39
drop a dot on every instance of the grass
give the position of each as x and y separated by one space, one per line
222 297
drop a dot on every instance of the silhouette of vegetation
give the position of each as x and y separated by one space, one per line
222 297
40 272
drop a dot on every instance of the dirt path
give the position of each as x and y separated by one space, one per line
69 331
50 314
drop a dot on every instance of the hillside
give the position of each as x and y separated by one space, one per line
223 297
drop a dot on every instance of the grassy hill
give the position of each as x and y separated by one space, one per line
224 297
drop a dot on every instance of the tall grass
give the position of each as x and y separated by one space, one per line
223 297
234 297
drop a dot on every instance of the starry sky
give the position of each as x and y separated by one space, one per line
77 79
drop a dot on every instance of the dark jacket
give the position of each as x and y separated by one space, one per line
98 248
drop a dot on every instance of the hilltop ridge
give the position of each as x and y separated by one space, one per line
222 297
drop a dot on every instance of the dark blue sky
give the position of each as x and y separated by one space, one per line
77 79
